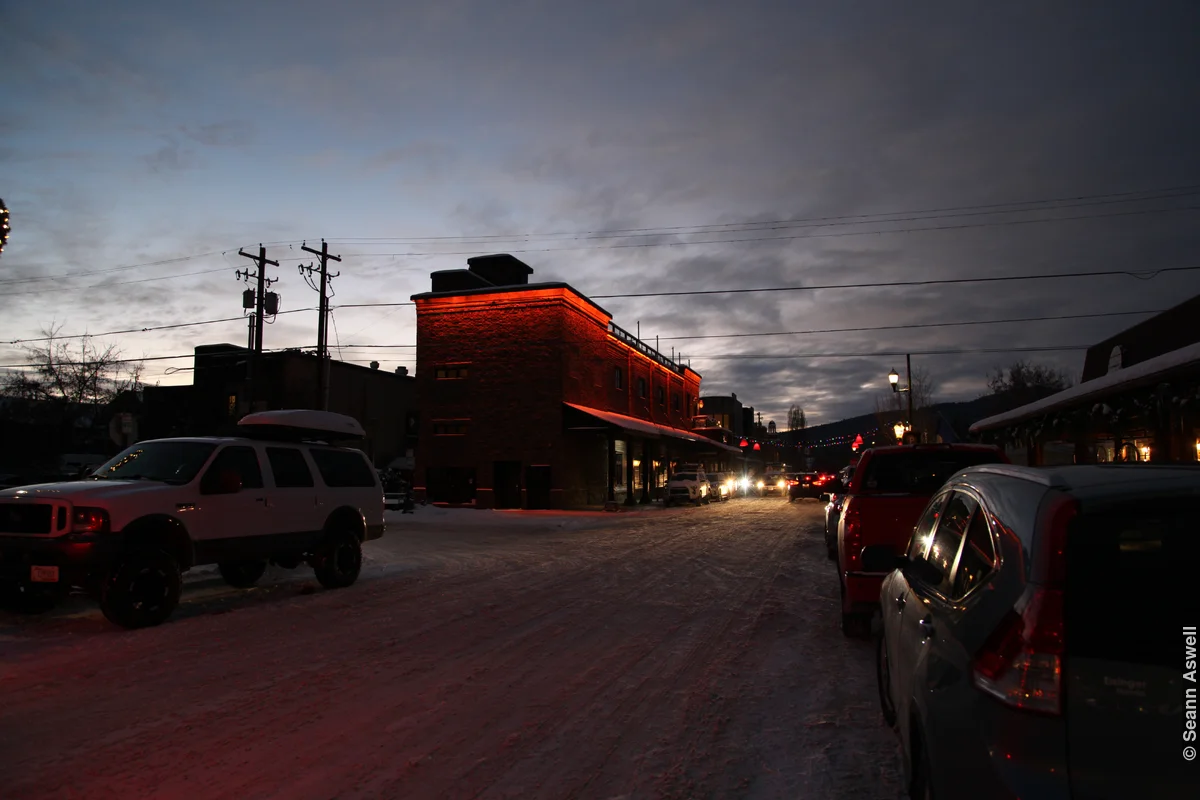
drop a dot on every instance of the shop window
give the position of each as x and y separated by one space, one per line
451 373
618 378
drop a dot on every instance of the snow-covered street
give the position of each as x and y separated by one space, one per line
681 653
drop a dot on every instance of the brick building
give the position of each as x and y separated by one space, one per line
533 398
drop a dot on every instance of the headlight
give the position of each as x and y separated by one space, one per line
762 485
781 484
89 520
746 483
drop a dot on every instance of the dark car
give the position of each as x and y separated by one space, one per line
1034 640
886 495
807 484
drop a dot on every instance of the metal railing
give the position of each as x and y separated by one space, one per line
628 338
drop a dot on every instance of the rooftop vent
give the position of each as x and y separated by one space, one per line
500 269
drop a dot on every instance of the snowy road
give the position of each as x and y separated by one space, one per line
679 653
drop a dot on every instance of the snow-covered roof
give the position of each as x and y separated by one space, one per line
647 428
1142 373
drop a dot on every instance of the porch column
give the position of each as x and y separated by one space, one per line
629 499
645 472
611 477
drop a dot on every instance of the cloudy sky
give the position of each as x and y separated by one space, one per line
624 147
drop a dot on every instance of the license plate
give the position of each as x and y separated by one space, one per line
43 574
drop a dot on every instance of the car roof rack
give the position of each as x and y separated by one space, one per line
302 424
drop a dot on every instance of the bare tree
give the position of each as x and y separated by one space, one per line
1025 382
796 420
78 375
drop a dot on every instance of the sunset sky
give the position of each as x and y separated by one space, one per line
623 147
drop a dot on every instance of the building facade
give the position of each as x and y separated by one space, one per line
533 398
383 402
1139 401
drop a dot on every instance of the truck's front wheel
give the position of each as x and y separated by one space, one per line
142 590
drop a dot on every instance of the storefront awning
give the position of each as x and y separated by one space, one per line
649 429
1146 373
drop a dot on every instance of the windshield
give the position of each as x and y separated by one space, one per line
684 476
169 462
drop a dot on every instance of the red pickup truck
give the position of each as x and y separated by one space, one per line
886 495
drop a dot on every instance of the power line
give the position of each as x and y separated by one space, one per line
145 329
118 283
1073 201
892 353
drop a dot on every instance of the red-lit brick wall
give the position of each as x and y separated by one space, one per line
525 353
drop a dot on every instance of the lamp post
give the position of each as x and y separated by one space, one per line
894 380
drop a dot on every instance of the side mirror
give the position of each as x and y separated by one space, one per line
881 558
924 571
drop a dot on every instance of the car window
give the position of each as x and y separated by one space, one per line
977 559
919 471
948 535
343 468
289 468
240 459
918 545
684 476
167 461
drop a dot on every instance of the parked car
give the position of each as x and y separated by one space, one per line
162 506
687 487
721 485
1032 640
887 493
833 497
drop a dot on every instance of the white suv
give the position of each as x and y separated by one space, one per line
281 494
687 487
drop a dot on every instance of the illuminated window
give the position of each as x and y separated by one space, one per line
642 387
618 378
451 373
232 404
455 427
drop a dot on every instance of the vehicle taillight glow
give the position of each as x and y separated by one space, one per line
852 536
89 520
1021 663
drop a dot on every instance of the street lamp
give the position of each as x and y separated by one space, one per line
894 380
898 429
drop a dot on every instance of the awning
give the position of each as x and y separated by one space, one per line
1145 373
649 429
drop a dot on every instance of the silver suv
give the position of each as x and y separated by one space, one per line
1035 639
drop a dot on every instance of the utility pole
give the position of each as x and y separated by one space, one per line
256 321
322 317
908 370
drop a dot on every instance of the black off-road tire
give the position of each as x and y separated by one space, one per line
142 589
242 574
339 560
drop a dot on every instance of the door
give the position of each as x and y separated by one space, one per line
292 503
537 483
1130 659
506 483
228 526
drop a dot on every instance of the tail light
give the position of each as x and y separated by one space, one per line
1021 663
89 520
852 536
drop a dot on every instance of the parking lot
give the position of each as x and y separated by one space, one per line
681 653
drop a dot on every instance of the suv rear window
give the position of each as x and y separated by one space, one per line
684 476
920 471
343 468
1136 562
